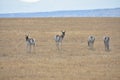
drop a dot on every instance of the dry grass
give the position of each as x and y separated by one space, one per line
74 62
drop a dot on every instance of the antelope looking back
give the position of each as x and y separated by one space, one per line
59 38
29 42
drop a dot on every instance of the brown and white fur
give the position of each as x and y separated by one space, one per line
30 42
59 39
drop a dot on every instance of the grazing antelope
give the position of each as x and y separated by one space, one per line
30 42
91 40
58 39
106 42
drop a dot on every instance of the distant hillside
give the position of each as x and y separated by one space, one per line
73 13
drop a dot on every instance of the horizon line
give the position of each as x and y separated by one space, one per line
59 10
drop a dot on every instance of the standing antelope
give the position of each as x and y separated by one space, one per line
30 42
106 42
58 39
91 40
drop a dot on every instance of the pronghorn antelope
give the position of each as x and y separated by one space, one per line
30 42
91 40
106 42
58 39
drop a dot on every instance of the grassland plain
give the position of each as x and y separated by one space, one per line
74 62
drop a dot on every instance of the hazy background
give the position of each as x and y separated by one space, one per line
20 6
